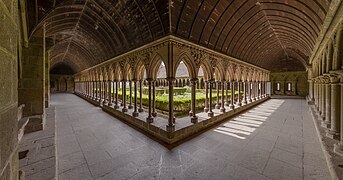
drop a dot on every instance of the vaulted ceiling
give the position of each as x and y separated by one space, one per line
266 33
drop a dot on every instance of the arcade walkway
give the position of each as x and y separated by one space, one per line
275 140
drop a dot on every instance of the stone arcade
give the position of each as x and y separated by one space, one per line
89 89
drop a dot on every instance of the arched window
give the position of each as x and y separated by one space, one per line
289 86
278 86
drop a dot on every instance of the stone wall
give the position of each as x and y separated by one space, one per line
61 83
297 81
8 89
32 81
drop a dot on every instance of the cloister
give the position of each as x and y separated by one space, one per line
171 89
101 83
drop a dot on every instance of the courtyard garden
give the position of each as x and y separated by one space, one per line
182 98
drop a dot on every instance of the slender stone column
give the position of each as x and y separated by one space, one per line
149 119
116 106
252 95
101 100
226 94
327 122
317 92
310 88
264 89
261 90
124 96
106 92
114 91
335 108
87 88
232 87
171 118
320 98
239 103
217 100
249 92
338 147
130 89
210 112
90 83
99 90
206 99
135 112
255 90
90 89
222 108
96 90
140 96
110 93
245 92
192 113
323 105
154 113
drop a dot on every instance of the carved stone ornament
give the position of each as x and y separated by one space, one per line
197 55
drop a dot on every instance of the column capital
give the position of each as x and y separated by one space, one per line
170 79
337 72
334 78
194 80
149 79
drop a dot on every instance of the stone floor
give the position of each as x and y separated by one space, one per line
275 140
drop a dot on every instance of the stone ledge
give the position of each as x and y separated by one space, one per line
40 161
171 139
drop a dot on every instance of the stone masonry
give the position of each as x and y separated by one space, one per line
8 88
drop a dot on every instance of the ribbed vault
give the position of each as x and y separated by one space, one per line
262 32
87 32
257 31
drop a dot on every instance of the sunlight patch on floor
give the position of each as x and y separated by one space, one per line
243 125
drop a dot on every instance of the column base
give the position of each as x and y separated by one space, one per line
326 124
222 109
338 149
232 106
217 106
154 114
206 110
332 134
245 102
170 127
210 114
249 100
124 109
140 110
321 118
115 106
130 106
135 114
150 119
190 113
227 104
239 104
194 119
110 104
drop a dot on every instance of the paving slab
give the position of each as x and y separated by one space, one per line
274 140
